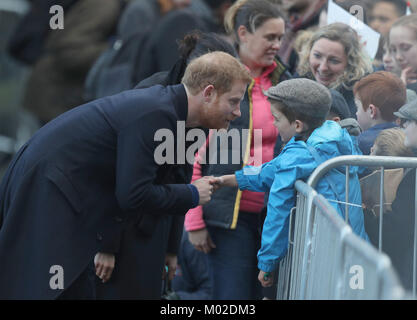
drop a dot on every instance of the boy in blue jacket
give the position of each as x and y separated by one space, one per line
299 107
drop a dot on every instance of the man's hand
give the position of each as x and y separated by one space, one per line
171 262
104 264
266 278
201 240
205 189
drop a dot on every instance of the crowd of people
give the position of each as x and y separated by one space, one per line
85 192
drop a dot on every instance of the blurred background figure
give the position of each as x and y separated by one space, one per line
27 43
302 15
16 125
398 222
334 58
161 49
192 281
56 83
384 13
389 63
403 45
116 68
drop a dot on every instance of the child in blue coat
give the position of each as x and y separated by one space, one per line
299 107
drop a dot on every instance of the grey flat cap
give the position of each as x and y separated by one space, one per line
303 95
408 111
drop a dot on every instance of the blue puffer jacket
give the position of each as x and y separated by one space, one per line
297 163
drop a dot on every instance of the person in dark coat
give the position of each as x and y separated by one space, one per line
130 284
398 223
27 42
56 83
302 15
161 49
71 190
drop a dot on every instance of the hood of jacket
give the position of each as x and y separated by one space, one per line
331 140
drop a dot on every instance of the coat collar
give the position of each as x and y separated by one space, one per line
180 101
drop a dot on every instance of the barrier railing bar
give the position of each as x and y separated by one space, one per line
367 161
415 239
381 208
347 195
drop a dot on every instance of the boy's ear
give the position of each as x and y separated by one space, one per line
299 126
374 111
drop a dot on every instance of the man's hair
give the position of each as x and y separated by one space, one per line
215 68
292 115
390 142
400 5
384 90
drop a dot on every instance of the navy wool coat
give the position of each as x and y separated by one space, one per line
74 186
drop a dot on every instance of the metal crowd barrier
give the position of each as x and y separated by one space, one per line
325 259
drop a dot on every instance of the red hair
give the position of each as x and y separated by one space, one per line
384 90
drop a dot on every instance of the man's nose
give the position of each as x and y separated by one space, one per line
237 112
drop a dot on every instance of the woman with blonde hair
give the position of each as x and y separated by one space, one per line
227 229
334 58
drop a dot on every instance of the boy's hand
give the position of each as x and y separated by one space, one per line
217 183
266 278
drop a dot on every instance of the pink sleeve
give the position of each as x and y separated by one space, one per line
194 217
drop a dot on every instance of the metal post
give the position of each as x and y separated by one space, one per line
347 195
381 208
415 239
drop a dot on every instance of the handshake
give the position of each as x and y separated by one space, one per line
209 184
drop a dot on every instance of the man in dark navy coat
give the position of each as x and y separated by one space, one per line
70 191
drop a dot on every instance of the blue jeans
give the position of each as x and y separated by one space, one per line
233 263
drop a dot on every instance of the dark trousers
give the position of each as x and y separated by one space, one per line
233 263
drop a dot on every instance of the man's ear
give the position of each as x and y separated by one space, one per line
374 111
208 93
299 126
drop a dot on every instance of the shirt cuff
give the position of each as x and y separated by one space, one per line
241 180
195 195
